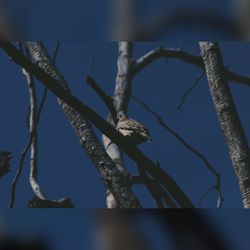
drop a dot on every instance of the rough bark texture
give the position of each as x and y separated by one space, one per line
113 178
228 117
34 140
152 168
121 98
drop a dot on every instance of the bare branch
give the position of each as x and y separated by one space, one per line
189 90
152 186
93 61
160 52
228 117
33 155
113 179
218 192
131 150
121 97
33 123
107 99
182 141
157 191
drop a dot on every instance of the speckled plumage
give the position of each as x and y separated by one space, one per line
132 129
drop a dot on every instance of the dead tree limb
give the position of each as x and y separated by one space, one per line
155 189
189 147
161 52
33 151
120 100
113 179
132 151
228 117
107 99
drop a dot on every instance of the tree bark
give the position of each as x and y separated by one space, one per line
153 169
120 99
228 116
113 178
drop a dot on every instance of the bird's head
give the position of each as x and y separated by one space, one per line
121 114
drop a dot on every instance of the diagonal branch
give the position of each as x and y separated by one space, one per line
228 117
161 52
189 90
155 189
123 83
113 179
34 118
132 151
185 144
107 99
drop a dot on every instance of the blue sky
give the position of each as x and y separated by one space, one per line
64 169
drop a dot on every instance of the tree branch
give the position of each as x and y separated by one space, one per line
228 117
132 151
34 118
184 143
152 185
107 99
120 98
189 90
113 179
161 52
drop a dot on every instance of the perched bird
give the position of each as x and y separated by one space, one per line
132 129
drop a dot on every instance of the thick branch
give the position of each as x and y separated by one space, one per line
157 53
132 151
152 185
228 117
120 101
113 179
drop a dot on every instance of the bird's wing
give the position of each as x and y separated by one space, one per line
133 125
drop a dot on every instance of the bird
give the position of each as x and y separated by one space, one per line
132 129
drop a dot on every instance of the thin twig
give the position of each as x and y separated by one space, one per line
187 57
219 196
189 90
107 99
109 102
93 61
158 192
31 135
181 140
150 187
132 151
33 159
